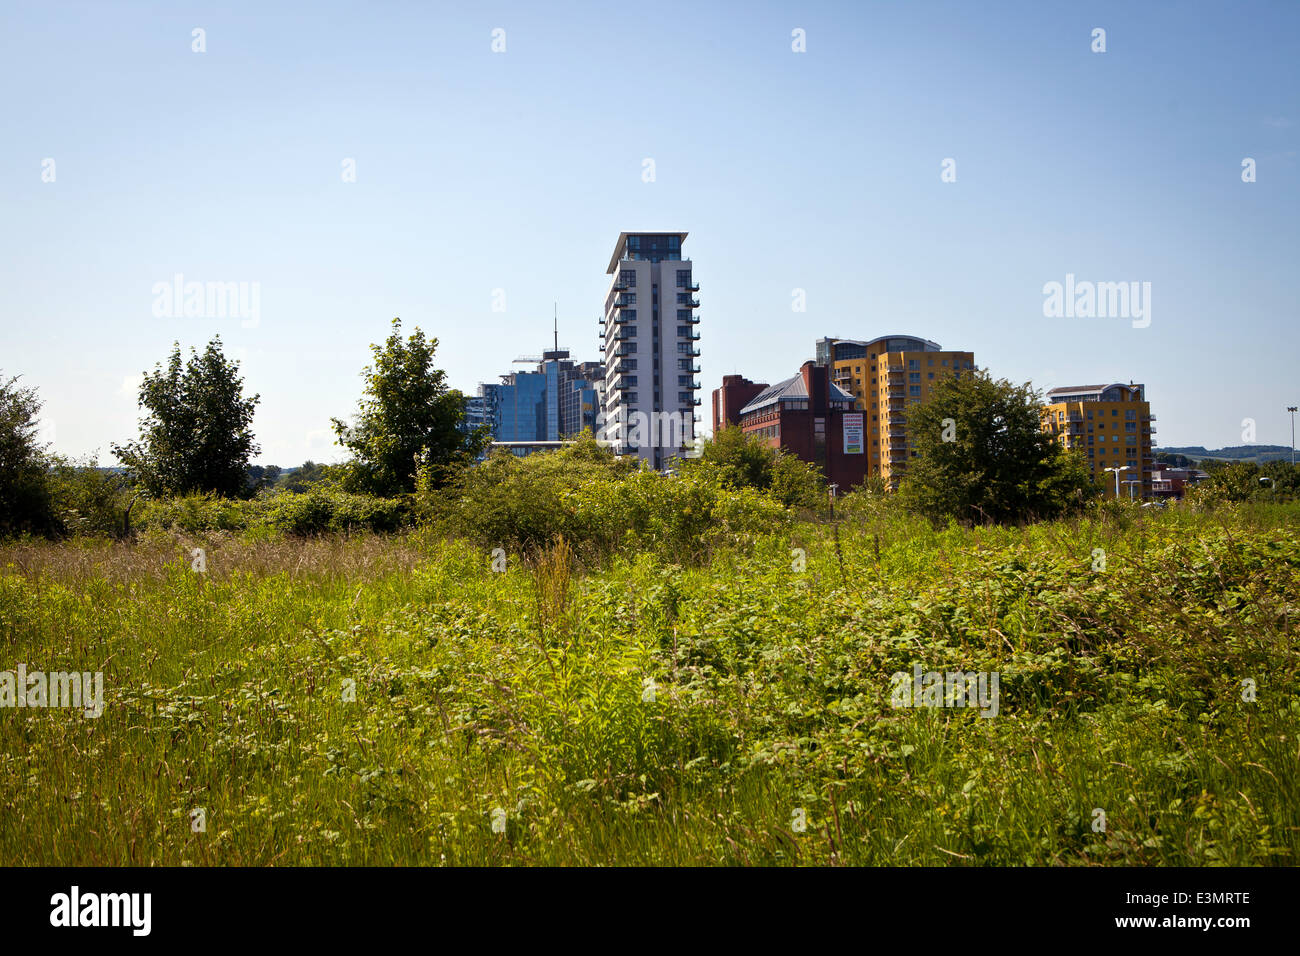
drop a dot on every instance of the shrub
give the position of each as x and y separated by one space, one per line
324 509
87 499
599 504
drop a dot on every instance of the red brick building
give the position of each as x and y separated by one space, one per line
806 416
736 392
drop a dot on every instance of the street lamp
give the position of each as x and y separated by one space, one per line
1291 409
1117 470
1131 482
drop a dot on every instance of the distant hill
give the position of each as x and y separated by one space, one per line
1256 453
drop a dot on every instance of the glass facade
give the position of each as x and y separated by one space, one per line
654 248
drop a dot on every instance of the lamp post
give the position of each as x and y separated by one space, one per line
832 488
1291 409
1131 482
1117 470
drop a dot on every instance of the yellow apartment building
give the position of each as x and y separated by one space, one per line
1112 426
885 375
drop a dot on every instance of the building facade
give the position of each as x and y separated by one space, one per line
554 401
650 338
735 393
885 375
1112 426
809 416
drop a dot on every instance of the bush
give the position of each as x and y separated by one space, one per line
193 514
87 499
598 503
324 509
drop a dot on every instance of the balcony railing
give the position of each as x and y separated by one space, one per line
693 336
690 303
693 288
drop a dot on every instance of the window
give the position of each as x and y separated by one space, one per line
629 380
932 375
684 330
683 315
628 364
913 363
629 332
683 278
683 298
914 376
629 314
944 362
1129 414
683 380
930 362
627 277
914 391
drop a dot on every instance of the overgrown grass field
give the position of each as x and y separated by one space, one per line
393 700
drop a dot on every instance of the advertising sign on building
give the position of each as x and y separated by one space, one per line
853 433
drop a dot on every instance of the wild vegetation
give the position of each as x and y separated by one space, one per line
393 699
413 658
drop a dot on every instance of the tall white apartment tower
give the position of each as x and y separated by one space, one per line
652 352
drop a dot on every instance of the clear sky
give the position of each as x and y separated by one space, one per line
478 171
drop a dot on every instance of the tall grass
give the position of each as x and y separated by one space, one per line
382 700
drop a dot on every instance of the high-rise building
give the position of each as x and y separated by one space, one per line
1111 425
650 338
555 401
885 375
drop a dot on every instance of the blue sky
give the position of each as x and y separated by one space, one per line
819 171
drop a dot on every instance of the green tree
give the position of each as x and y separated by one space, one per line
737 460
408 419
302 477
197 435
982 455
25 502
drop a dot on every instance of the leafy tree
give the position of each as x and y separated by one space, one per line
408 419
88 499
737 460
303 477
999 465
197 435
1247 481
25 503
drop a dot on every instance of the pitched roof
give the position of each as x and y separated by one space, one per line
791 389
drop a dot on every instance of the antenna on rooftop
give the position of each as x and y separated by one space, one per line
555 314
